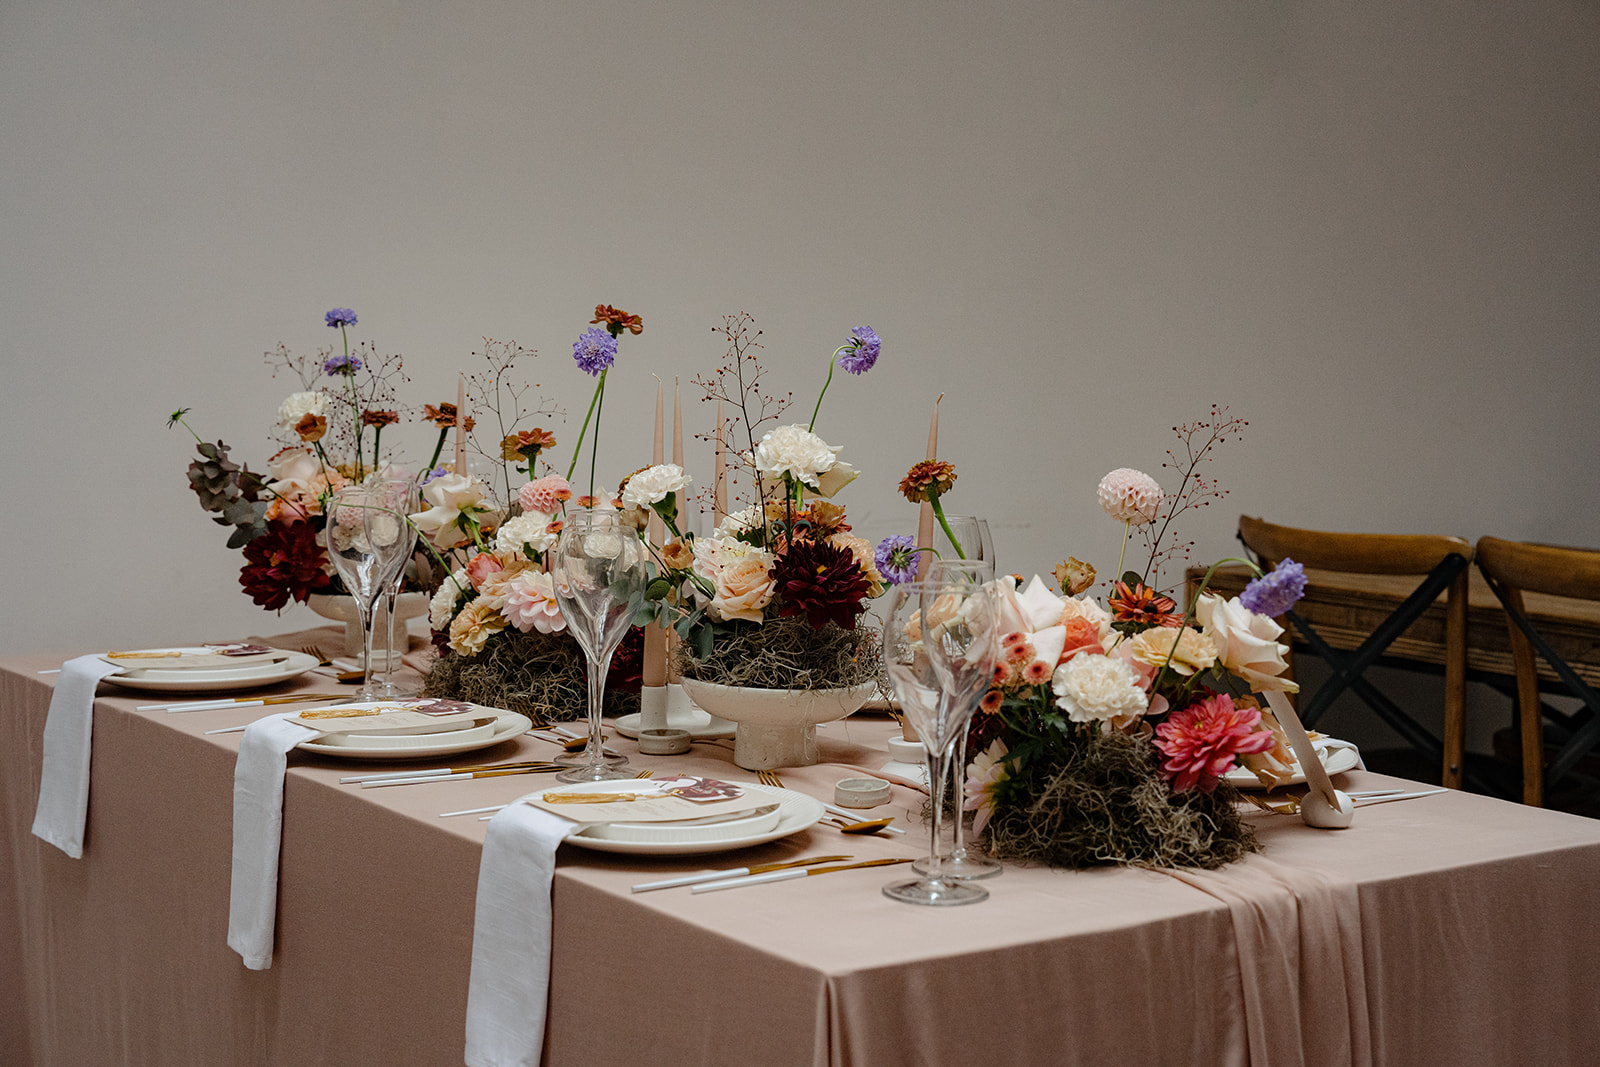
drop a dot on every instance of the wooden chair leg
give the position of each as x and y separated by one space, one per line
1455 682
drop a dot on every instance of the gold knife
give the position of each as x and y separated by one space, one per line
800 872
734 872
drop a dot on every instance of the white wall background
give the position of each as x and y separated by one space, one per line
1371 228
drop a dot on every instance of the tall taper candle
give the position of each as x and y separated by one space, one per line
655 638
461 424
925 516
677 423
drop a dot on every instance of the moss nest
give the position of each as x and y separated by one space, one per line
786 653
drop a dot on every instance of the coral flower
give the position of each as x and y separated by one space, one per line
1202 740
927 480
444 416
1142 606
617 320
379 418
311 427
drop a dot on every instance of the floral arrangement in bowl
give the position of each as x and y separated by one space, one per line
773 597
1108 727
331 432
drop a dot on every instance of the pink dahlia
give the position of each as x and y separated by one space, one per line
1130 496
1202 740
545 494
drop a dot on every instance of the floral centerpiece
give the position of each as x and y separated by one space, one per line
1109 727
501 637
331 432
773 598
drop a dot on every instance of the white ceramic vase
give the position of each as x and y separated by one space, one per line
776 727
343 609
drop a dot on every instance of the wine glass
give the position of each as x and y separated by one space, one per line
599 572
973 534
406 498
939 664
368 541
961 863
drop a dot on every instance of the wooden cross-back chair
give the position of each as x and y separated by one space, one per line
1512 568
1442 562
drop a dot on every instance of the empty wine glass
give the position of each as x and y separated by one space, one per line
961 862
599 571
940 650
368 541
406 498
973 534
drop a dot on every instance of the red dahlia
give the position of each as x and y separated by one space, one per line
284 562
821 580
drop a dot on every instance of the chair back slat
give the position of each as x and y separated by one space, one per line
1549 569
1353 553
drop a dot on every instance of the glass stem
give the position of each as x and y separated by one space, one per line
957 779
368 606
595 750
938 770
390 597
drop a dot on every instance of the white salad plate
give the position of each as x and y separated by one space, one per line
794 812
421 746
213 679
1337 757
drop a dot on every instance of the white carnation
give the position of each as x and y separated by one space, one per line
1096 688
651 485
297 406
442 608
531 528
797 452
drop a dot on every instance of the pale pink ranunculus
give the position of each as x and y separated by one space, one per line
1247 644
530 603
1129 496
545 494
743 588
480 567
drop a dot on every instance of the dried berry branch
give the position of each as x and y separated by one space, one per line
737 382
1197 441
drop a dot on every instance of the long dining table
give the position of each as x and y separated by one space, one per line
1452 928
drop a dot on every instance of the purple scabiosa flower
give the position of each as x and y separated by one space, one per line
861 353
341 317
346 365
897 558
428 476
595 351
1273 594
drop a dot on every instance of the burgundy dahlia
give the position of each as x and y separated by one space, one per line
821 580
284 562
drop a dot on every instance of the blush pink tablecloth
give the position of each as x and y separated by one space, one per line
1452 929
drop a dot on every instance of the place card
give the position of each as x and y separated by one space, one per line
212 659
667 800
397 719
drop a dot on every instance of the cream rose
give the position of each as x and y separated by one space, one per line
477 622
1246 643
1097 689
743 588
442 608
451 496
531 528
1189 649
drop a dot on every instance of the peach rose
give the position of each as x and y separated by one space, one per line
743 588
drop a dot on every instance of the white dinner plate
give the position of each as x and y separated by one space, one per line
507 726
1337 757
213 679
796 812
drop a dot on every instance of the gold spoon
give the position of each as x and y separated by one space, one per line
869 826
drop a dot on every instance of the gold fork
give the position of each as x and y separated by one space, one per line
644 774
316 653
769 778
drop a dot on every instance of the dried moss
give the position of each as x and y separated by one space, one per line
786 653
1103 801
537 675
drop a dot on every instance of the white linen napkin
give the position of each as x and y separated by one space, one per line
510 984
258 834
68 735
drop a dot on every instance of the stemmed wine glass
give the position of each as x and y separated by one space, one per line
940 650
598 568
973 533
405 496
961 863
369 541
